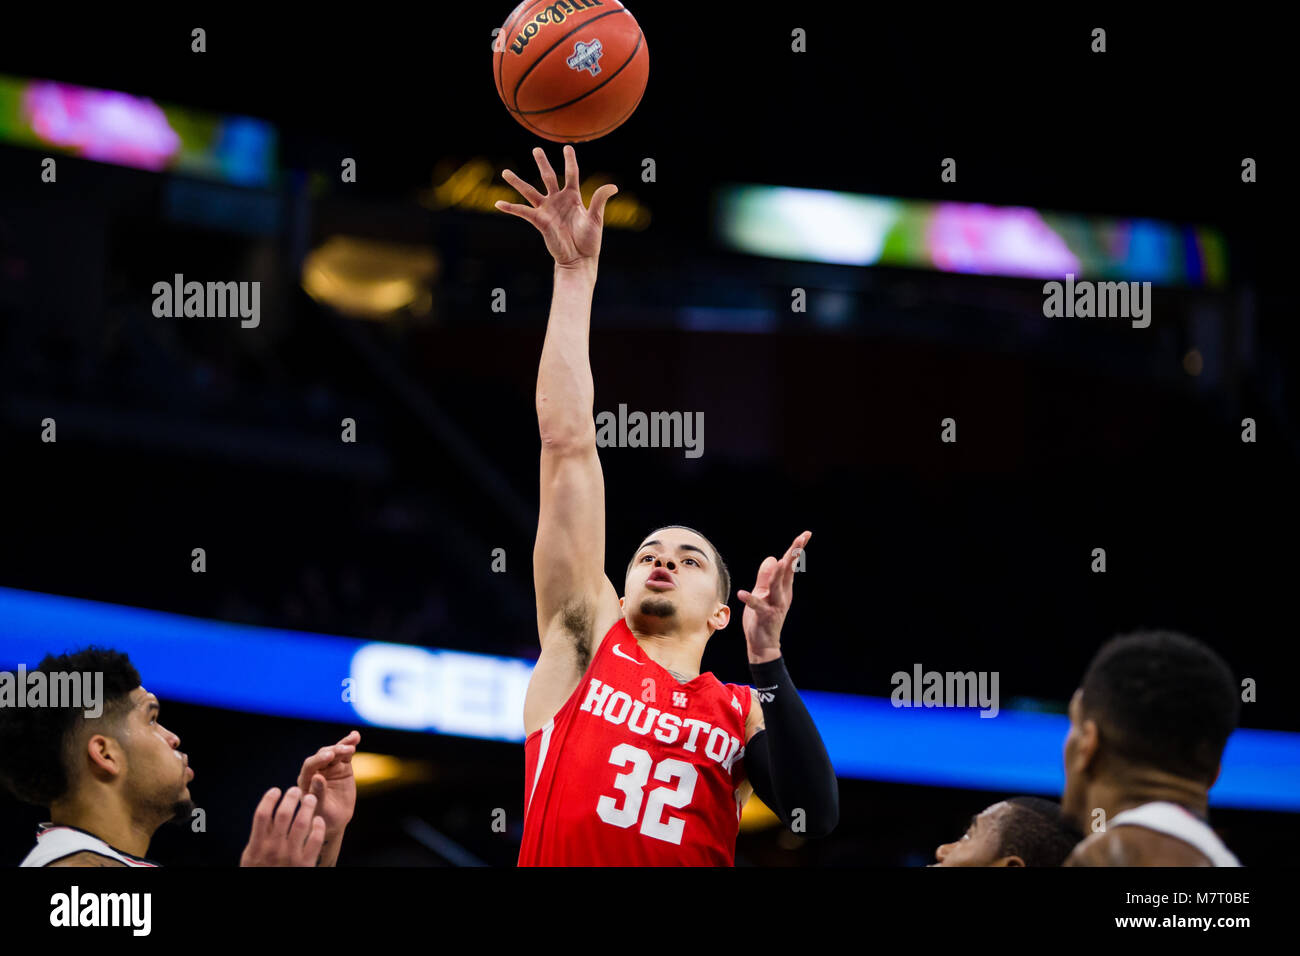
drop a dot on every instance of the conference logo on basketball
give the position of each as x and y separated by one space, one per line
586 56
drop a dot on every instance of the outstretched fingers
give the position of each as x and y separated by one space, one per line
285 812
764 581
523 187
515 209
315 842
315 763
788 563
544 167
571 179
303 823
262 815
599 198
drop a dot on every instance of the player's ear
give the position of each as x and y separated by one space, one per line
1076 704
720 617
104 754
1089 741
620 603
1009 861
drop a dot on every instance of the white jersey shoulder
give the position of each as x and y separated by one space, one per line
1177 822
55 842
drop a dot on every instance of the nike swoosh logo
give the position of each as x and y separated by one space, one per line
625 657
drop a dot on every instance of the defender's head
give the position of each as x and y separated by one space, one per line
1153 700
1022 831
676 579
51 755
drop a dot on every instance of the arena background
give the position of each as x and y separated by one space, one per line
1072 433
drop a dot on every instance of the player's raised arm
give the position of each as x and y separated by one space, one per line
573 593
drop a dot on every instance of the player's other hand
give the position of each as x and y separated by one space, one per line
767 604
290 835
572 232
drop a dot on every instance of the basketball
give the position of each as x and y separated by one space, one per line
573 70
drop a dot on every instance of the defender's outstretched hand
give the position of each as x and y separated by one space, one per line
290 835
327 774
572 232
766 607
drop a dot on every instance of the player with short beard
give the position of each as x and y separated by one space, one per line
632 756
111 781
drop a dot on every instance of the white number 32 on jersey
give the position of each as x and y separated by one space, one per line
633 782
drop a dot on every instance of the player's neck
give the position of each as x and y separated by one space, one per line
107 819
677 653
1148 785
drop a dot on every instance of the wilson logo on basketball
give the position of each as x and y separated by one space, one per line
556 13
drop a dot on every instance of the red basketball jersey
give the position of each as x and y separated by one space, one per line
637 768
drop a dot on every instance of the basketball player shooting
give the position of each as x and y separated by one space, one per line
632 756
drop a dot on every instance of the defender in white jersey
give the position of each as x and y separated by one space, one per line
55 843
110 774
1178 822
1147 732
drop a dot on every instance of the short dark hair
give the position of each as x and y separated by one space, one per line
34 740
1035 831
1163 699
724 576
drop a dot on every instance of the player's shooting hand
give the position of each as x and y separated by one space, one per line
572 232
282 837
767 604
327 775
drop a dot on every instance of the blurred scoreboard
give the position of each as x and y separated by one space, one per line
108 126
815 225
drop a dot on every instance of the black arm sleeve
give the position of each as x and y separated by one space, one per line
787 763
